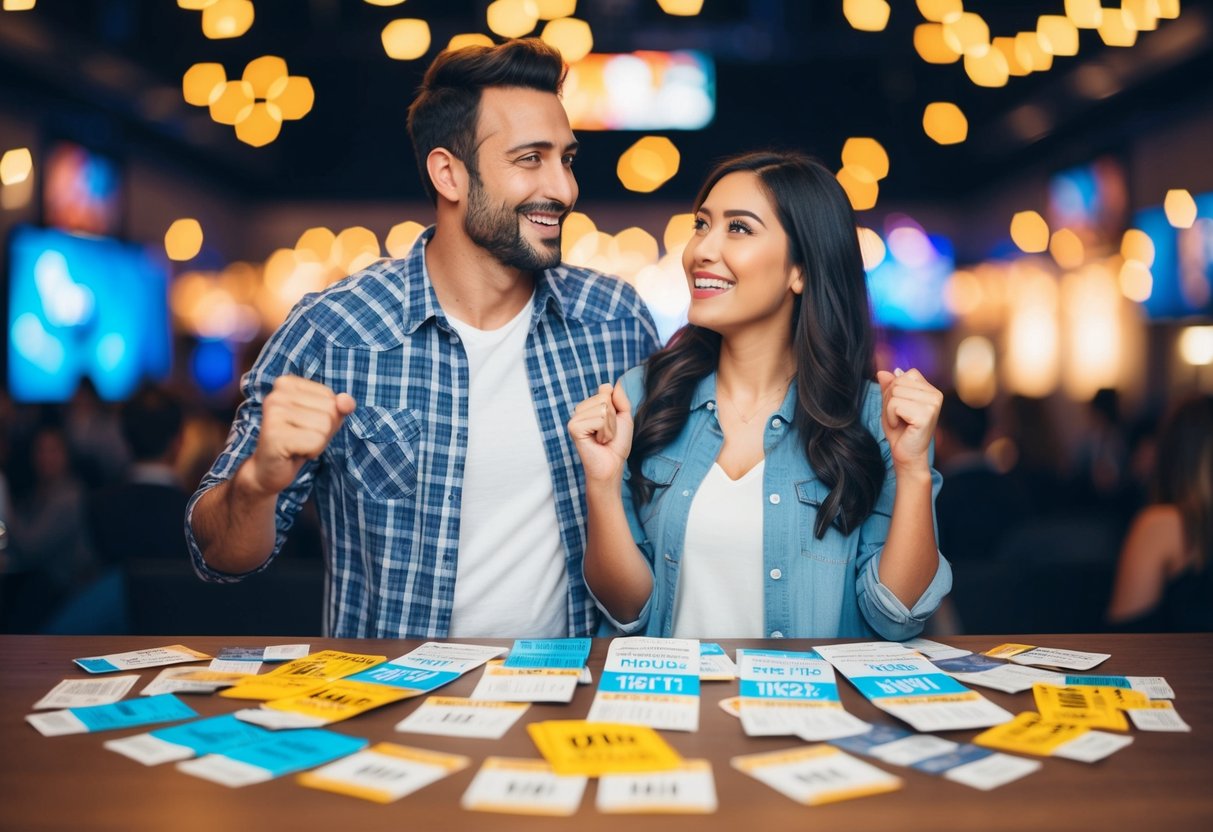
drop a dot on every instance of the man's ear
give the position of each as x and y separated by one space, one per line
448 174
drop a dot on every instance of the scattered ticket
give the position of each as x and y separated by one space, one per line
276 756
302 676
248 668
384 772
453 716
139 659
1155 687
523 787
1048 656
184 742
501 683
908 686
567 653
816 774
960 762
1090 706
334 702
128 714
1029 733
190 680
1157 716
650 681
715 664
272 653
429 667
575 746
80 693
999 675
935 651
792 693
688 789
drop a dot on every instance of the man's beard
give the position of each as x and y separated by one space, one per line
498 230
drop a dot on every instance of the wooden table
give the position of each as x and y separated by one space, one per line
1162 781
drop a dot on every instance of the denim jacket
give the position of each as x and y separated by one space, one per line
812 588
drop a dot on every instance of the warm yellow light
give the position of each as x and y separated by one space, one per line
315 244
262 73
1168 9
571 37
1096 343
1057 35
1030 232
1180 208
1144 14
967 33
681 8
930 45
469 39
866 153
233 104
1007 47
976 381
1196 345
19 5
860 186
293 96
944 122
987 67
648 164
939 11
13 197
192 5
1137 245
183 240
401 237
1031 356
553 9
512 18
871 248
678 231
1067 249
227 19
385 3
406 39
354 249
1136 281
1085 14
261 126
16 166
866 15
576 225
962 294
201 82
1031 54
1116 28
639 243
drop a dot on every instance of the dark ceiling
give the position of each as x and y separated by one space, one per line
107 72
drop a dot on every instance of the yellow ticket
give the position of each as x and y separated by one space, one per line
578 747
1081 705
270 687
327 665
1006 651
340 700
1030 733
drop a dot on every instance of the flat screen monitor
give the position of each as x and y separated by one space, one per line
641 91
83 307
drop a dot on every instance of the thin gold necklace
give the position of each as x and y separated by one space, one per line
745 420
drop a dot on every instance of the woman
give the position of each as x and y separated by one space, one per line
767 487
1163 581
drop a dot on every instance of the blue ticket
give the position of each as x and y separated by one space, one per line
132 712
403 676
296 750
549 653
210 736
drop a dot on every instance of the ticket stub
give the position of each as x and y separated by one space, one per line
1009 678
335 701
276 756
1154 687
688 789
430 666
935 651
502 683
140 659
190 680
454 716
235 666
385 772
127 714
816 774
1030 733
575 746
1157 716
301 676
1086 705
80 693
567 653
183 742
650 681
271 653
792 693
715 664
1048 656
523 787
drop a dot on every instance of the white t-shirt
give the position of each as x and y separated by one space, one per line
720 580
511 579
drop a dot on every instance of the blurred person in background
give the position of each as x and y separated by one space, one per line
767 486
1164 582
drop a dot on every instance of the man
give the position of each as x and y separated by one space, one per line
424 400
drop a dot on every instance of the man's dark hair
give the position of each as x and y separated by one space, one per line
151 422
447 106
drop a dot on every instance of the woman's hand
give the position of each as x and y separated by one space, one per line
601 429
911 409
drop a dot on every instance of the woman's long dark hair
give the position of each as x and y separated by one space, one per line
831 338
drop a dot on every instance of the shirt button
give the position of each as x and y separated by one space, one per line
777 422
776 574
711 405
774 499
776 634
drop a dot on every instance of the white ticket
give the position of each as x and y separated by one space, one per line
526 684
715 664
1048 656
792 693
190 680
1011 678
385 772
650 681
816 774
523 787
688 789
933 650
1160 716
451 716
79 693
139 659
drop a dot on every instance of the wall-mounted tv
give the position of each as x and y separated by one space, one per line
80 307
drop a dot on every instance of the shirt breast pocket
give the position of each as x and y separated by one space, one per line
660 470
834 548
382 451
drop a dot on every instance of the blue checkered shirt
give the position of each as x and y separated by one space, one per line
388 486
